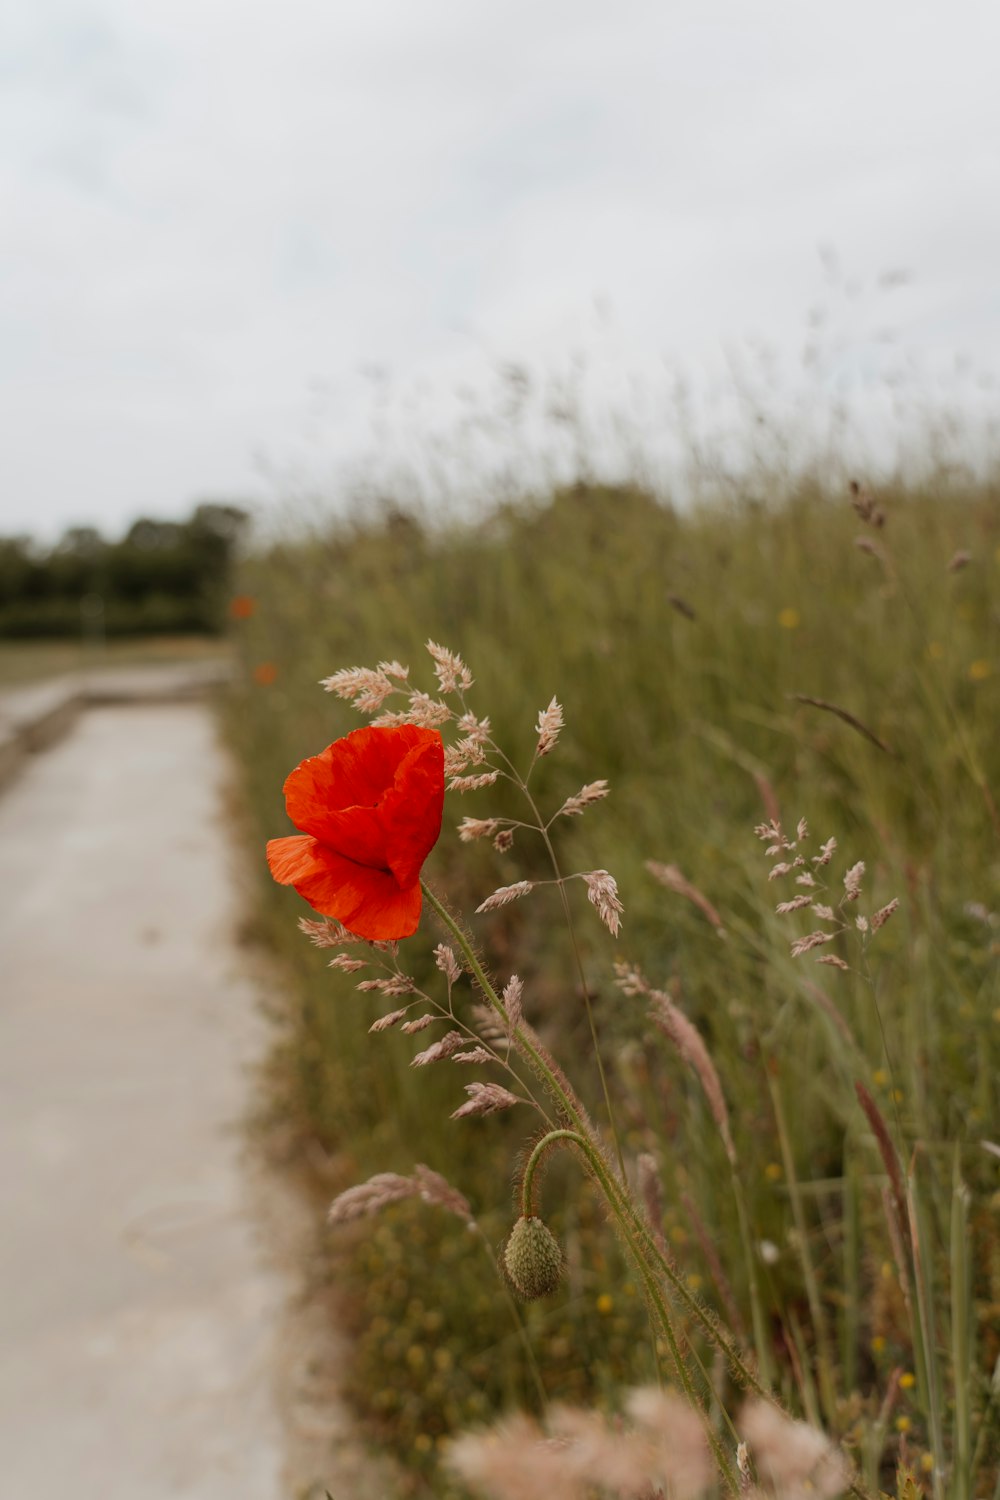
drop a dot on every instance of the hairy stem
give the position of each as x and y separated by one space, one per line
616 1192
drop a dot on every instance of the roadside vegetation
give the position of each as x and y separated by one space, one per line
160 578
821 665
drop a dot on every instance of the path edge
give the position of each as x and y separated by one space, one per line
35 717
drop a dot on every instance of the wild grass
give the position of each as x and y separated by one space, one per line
23 663
718 667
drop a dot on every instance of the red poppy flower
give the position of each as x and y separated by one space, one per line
370 809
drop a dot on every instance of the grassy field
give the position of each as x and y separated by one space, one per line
24 662
818 658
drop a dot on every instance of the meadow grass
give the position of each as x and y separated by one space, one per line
23 663
716 666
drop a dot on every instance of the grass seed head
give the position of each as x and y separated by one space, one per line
550 722
602 892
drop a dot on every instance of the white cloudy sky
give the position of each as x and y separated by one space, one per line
213 213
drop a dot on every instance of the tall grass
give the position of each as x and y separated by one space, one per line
713 665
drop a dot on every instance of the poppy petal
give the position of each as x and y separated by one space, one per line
291 859
358 834
356 771
411 810
368 902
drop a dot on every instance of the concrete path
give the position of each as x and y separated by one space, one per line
137 1315
36 715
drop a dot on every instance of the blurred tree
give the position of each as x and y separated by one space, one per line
162 576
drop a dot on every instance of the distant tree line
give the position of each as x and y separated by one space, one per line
162 577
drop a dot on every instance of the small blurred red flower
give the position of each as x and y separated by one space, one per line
265 673
242 606
370 809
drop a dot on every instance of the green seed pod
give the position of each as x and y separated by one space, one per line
532 1259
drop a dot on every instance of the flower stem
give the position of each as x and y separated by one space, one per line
652 1262
599 1170
543 828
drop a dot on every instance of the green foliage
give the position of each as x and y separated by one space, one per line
437 1349
677 644
163 577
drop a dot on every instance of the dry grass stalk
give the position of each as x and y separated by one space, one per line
602 892
472 783
676 1439
419 1023
871 547
477 828
450 1043
887 1151
690 1044
438 1190
847 717
347 965
674 880
391 1187
470 750
452 674
505 894
682 606
688 1040
661 1450
365 687
827 1006
396 984
488 1024
475 729
384 1022
513 1461
810 941
428 712
327 933
711 1255
368 1197
512 1003
865 505
898 1243
793 1460
769 798
883 914
651 1189
455 760
550 722
796 904
587 795
444 958
743 1468
485 1099
826 853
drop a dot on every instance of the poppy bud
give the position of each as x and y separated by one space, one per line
532 1259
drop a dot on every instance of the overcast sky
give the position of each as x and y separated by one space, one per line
214 214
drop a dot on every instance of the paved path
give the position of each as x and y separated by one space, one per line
137 1315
